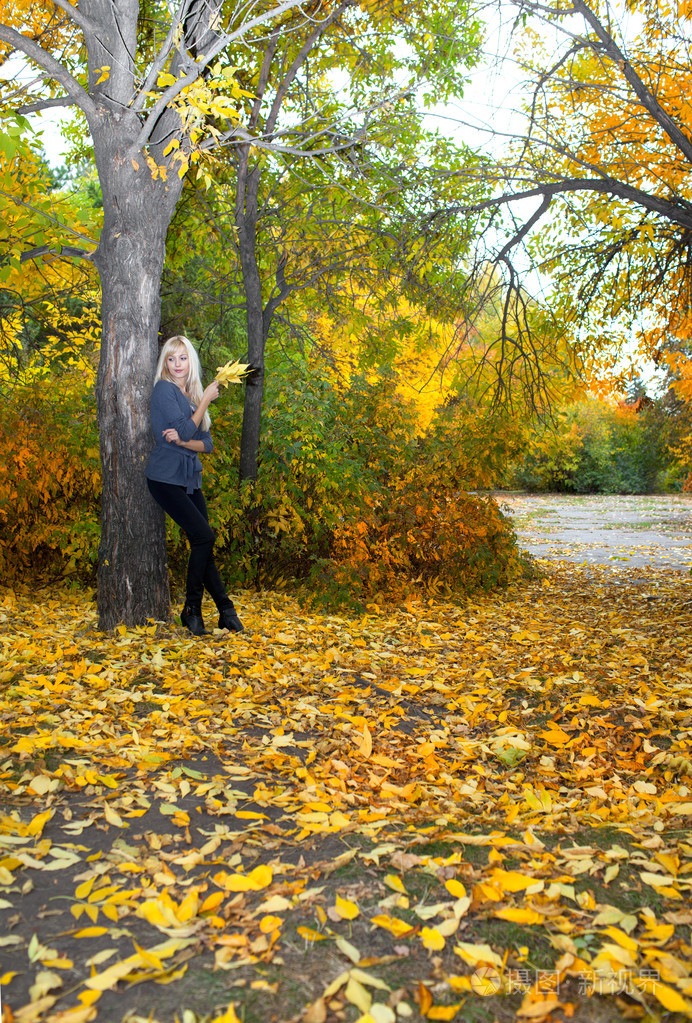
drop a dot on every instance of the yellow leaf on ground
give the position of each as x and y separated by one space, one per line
257 879
455 888
365 743
109 978
270 923
358 995
392 924
518 915
38 822
511 880
394 882
310 934
667 996
432 939
537 1010
474 954
444 1012
229 1016
316 1013
346 910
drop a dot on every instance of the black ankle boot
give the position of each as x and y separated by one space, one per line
191 617
228 619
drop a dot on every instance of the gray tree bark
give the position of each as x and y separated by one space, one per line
132 574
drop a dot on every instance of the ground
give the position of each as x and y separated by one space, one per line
646 531
473 810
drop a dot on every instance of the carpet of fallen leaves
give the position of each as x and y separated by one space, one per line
476 810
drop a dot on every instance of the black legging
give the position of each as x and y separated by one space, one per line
189 511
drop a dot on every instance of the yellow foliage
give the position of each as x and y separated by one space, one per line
421 365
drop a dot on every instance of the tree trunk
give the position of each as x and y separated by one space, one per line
246 223
133 573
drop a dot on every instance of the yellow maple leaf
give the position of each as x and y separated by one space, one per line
232 373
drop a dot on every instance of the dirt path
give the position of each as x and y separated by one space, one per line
652 531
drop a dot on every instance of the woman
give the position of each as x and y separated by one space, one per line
180 421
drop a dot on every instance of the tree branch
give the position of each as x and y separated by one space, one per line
644 95
54 68
299 60
607 45
673 211
64 252
46 104
224 40
87 26
161 57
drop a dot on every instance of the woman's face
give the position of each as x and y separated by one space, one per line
178 365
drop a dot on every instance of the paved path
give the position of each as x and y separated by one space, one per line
636 532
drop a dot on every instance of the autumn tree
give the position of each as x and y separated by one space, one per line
48 305
336 209
157 94
595 186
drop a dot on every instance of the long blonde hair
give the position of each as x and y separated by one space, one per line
193 384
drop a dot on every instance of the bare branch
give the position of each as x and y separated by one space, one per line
87 26
45 104
55 69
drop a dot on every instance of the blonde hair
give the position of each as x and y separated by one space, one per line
193 384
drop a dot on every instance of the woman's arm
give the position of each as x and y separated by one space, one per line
211 393
170 410
192 445
173 437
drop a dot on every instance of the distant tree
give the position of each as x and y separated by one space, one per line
595 190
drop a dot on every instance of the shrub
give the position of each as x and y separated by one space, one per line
350 504
50 481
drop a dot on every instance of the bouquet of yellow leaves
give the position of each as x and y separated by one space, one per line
232 372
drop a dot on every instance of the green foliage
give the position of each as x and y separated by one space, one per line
351 505
594 448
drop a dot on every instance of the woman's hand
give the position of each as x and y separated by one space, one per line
211 392
172 436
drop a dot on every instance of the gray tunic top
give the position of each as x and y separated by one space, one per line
168 462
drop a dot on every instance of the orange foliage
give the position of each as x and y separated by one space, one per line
426 537
633 257
49 486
